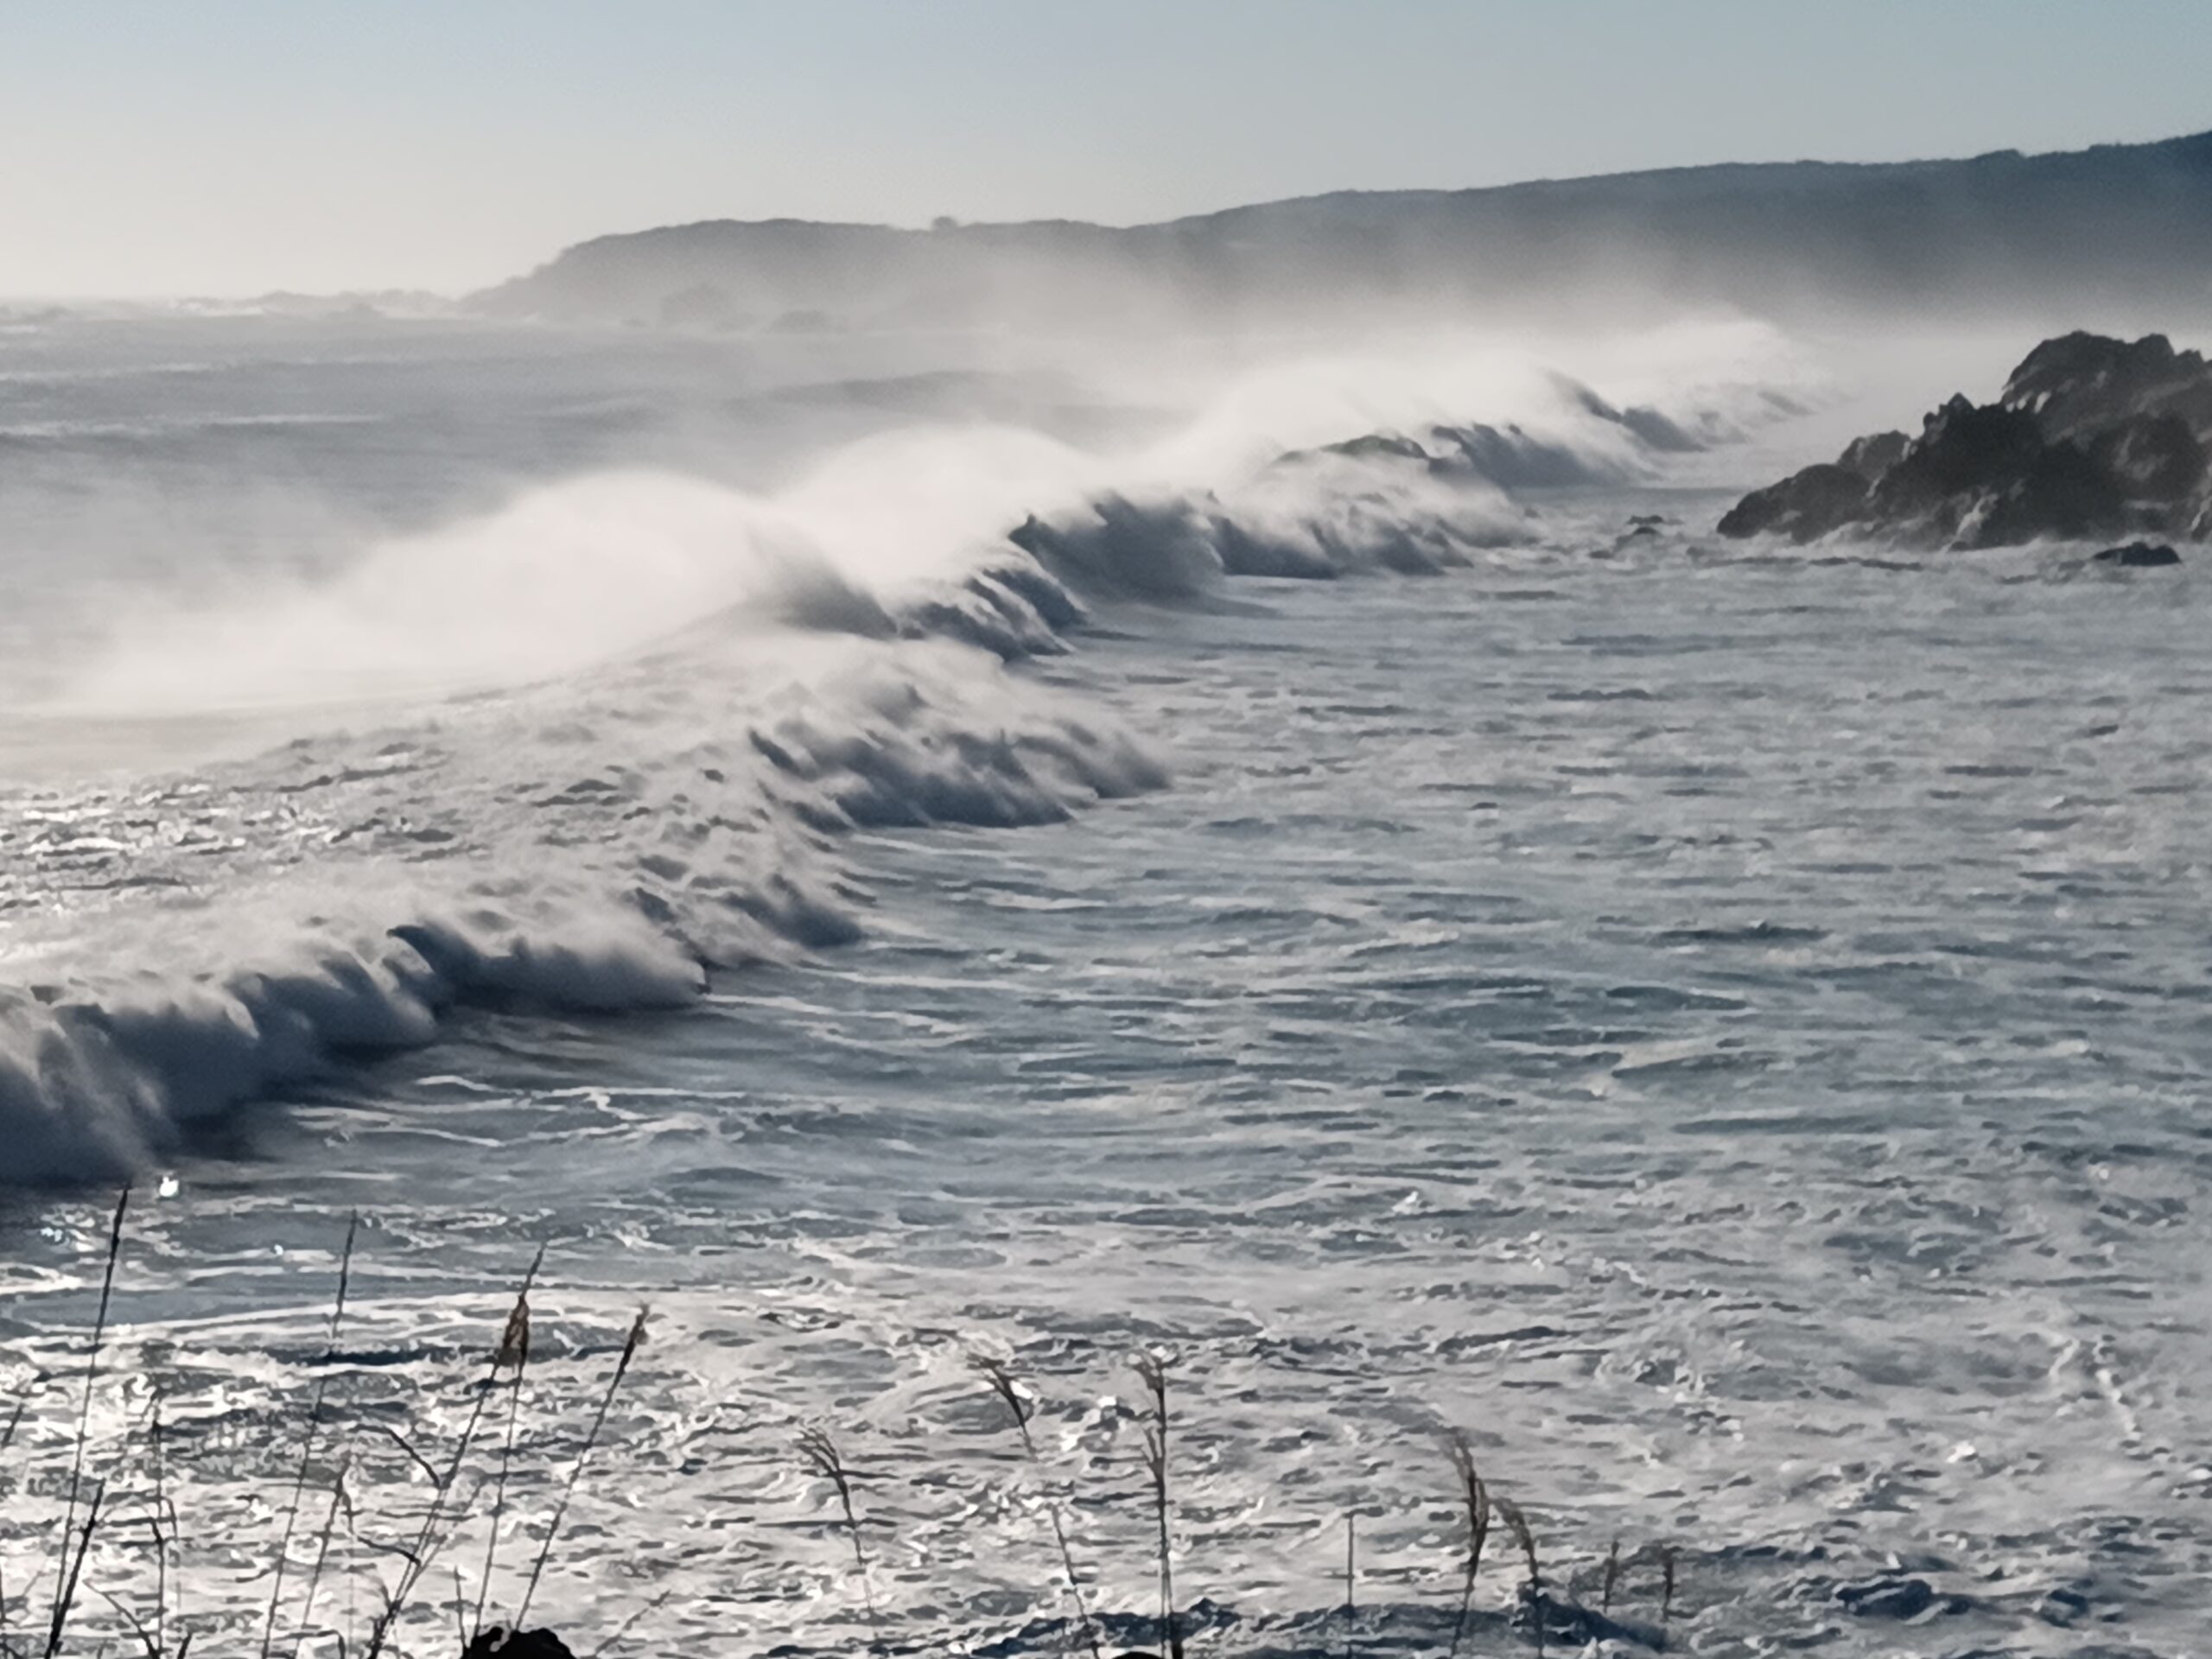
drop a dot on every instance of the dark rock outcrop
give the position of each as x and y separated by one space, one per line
1872 456
1804 506
497 1643
2092 438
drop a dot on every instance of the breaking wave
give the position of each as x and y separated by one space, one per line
582 753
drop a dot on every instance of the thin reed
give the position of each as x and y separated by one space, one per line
514 1350
1476 1495
1003 1383
308 1441
634 1341
428 1538
1510 1512
65 1587
1153 1372
1351 1583
822 1456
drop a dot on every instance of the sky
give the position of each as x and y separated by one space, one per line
153 147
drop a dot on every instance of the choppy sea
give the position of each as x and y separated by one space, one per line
1419 937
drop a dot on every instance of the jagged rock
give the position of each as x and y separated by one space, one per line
1983 477
2140 556
1804 506
2081 382
2092 438
1874 455
2152 457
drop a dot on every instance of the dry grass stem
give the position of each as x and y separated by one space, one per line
321 1556
622 1630
822 1456
1518 1523
83 1422
308 1444
1003 1383
1476 1495
514 1350
73 1570
154 1521
428 1539
1351 1583
630 1347
1153 1371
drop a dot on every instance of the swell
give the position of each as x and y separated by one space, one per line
604 840
415 880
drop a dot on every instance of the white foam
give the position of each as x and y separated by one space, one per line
716 686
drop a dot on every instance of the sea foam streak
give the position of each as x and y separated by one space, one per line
680 697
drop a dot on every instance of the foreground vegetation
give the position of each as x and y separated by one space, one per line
422 1601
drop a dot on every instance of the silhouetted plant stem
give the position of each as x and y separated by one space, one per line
419 1557
308 1445
1352 1581
514 1350
73 1570
630 1347
1153 1371
1476 1495
822 1456
1003 1384
64 1586
1519 1524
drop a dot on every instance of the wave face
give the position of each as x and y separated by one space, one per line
580 749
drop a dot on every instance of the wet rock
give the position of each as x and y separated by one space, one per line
2092 438
1983 476
2152 457
2138 556
1804 506
2081 383
1872 456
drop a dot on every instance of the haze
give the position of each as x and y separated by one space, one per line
238 146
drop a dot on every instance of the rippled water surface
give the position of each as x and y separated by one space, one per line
1727 1031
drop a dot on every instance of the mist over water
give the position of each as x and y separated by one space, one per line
1307 854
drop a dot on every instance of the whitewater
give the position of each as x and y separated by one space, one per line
1313 863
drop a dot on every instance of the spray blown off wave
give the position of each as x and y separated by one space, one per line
615 736
400 878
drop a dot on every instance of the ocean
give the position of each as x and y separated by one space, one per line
892 852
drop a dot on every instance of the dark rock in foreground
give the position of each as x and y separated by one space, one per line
497 1644
2140 556
2092 439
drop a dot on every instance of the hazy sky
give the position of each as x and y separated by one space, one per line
153 147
